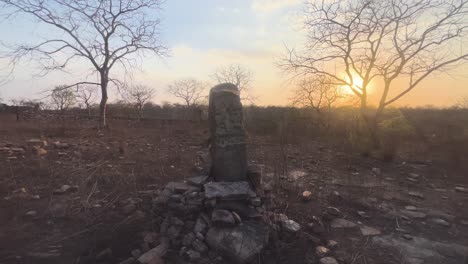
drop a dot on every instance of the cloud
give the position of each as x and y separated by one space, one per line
268 6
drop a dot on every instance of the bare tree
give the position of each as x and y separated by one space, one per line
238 75
138 96
316 92
61 98
189 90
105 34
86 96
368 43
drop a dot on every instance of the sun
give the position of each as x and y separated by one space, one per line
357 84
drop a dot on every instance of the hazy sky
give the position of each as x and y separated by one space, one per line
204 35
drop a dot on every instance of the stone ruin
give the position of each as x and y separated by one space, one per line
218 217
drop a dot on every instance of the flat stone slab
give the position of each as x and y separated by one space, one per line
342 223
241 243
369 231
227 190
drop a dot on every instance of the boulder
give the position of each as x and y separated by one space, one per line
241 243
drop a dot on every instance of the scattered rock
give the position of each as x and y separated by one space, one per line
200 225
342 223
377 171
369 231
321 251
241 243
31 213
227 190
197 181
461 189
65 188
59 145
411 208
256 201
407 236
180 187
416 194
332 244
155 253
333 211
290 226
441 222
222 218
328 260
37 150
413 214
363 214
306 196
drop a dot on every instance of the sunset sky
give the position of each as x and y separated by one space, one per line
204 35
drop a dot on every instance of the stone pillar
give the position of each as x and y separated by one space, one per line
228 146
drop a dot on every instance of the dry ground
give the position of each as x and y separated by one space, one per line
132 160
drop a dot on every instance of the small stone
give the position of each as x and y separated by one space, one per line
333 211
236 217
199 246
200 236
461 189
342 223
222 218
31 213
290 226
39 151
464 222
416 194
193 255
256 201
332 244
413 175
407 237
200 225
306 196
413 214
65 188
155 253
328 260
59 145
321 251
362 214
377 171
441 222
198 181
413 180
369 231
411 208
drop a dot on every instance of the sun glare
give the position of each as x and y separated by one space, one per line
357 85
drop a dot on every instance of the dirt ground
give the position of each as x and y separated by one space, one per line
89 222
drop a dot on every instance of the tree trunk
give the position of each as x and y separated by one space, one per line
371 123
103 103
